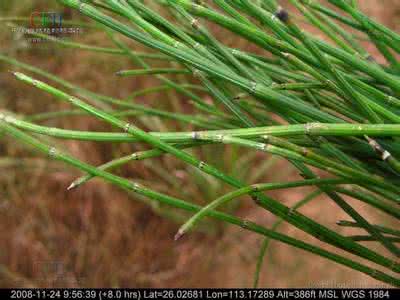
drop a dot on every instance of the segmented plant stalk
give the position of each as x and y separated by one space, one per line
321 104
128 185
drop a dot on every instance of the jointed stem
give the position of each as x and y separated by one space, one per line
126 184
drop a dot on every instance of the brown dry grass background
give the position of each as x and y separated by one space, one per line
99 236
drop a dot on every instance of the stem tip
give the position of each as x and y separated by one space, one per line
72 186
179 235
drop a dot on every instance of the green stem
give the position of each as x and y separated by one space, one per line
128 185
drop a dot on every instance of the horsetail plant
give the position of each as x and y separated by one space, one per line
324 105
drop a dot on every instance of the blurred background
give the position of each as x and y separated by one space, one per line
100 236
